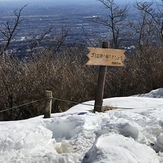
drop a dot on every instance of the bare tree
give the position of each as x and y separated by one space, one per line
144 28
8 31
115 21
150 28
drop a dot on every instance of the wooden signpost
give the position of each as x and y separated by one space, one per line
104 57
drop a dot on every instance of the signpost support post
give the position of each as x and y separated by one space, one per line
104 57
101 84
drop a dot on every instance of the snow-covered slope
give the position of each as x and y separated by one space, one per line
158 93
131 134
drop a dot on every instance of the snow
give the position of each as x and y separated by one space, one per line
158 93
132 133
119 149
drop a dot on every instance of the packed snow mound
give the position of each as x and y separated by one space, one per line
23 141
18 139
119 149
158 93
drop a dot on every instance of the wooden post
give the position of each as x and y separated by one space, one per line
48 104
101 84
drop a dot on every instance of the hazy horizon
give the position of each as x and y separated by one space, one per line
63 1
19 3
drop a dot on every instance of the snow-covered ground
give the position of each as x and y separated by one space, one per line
131 134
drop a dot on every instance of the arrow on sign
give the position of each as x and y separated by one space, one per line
106 57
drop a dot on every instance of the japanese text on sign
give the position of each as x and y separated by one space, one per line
106 57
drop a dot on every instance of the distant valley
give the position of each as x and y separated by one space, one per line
77 19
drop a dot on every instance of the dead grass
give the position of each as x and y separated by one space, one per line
107 108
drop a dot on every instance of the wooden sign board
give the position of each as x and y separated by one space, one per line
106 57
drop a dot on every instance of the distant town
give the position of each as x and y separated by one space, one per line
77 19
